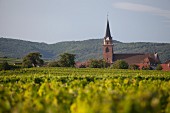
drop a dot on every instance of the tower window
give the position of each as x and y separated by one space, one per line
107 49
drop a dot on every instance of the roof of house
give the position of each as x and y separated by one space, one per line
165 67
79 64
135 58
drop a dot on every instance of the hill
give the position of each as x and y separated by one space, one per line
84 50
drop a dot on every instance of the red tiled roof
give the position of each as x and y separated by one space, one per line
165 67
136 58
79 64
141 65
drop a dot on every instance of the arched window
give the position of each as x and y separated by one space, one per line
107 49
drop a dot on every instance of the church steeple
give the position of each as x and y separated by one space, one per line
108 30
108 45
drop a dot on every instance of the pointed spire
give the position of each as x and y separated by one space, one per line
108 29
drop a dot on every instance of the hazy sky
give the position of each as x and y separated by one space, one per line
54 21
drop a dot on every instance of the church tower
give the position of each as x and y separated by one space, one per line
108 45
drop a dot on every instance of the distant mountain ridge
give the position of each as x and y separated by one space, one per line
84 50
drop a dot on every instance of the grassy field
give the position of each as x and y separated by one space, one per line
11 61
72 90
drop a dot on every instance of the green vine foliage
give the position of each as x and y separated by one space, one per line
84 90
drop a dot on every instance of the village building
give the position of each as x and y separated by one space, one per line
140 59
166 66
143 60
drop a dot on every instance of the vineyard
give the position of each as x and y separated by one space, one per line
72 90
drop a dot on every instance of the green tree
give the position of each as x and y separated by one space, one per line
54 64
94 63
159 67
120 64
5 66
67 60
32 60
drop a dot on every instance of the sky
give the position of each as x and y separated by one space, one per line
53 21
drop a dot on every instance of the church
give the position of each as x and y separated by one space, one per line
140 59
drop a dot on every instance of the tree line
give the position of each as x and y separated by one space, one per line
84 50
68 60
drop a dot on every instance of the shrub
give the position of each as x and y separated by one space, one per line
159 67
12 67
147 68
82 66
53 64
94 64
134 67
120 64
5 66
98 63
27 64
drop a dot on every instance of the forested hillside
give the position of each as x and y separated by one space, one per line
84 50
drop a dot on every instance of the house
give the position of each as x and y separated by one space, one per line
140 59
82 64
166 66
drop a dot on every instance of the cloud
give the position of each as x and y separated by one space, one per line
142 8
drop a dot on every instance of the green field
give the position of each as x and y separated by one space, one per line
71 90
11 61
